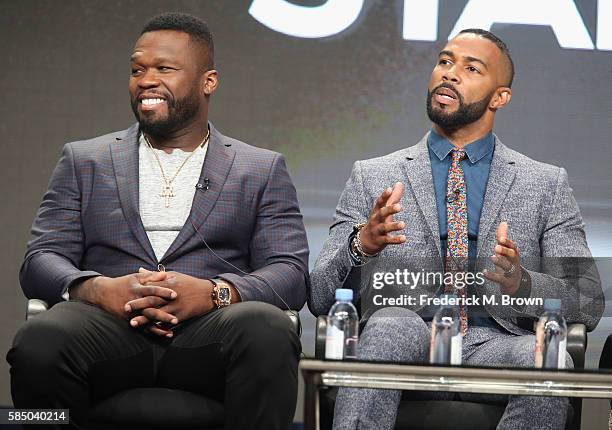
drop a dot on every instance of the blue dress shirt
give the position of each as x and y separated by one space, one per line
476 172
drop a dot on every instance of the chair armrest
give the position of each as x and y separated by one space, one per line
320 333
35 307
577 343
294 316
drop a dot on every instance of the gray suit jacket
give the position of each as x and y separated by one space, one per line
534 198
88 222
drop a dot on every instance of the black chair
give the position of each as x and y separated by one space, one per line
434 414
605 362
157 408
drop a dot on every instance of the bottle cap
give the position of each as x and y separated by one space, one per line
344 294
552 304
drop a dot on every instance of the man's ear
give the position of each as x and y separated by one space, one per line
501 98
210 81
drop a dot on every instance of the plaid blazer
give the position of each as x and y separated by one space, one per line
88 223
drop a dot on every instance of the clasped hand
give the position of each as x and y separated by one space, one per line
154 301
158 313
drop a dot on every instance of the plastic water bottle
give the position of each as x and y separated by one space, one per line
551 337
446 339
342 327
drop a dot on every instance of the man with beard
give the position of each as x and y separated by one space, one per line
457 195
167 249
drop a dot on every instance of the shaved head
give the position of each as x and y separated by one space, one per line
508 64
196 28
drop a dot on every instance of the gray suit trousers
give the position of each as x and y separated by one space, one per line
400 335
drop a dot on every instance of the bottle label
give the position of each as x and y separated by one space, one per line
543 351
562 349
539 345
538 354
334 343
456 349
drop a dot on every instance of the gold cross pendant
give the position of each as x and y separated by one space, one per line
166 193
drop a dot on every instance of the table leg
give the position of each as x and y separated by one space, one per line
312 417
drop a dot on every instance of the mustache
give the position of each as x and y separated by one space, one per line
450 87
153 93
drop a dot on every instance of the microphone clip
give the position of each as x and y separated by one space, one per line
203 186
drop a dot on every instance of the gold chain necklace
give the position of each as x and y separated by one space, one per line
167 190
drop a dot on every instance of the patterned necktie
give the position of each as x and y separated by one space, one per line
457 225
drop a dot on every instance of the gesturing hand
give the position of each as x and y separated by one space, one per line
193 298
375 235
507 262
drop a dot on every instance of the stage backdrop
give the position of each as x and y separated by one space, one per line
324 82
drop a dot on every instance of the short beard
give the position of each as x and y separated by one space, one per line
464 115
180 113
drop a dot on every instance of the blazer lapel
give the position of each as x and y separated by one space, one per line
420 179
124 153
217 164
501 177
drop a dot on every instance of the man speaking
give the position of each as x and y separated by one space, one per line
457 195
175 245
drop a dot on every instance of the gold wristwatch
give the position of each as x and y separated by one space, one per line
221 293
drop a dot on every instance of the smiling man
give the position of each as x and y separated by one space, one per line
458 202
167 250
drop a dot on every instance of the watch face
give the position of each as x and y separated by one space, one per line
224 295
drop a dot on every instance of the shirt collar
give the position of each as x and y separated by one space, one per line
475 150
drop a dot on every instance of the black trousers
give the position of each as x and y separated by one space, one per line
76 354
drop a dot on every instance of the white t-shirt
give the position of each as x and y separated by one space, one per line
162 223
